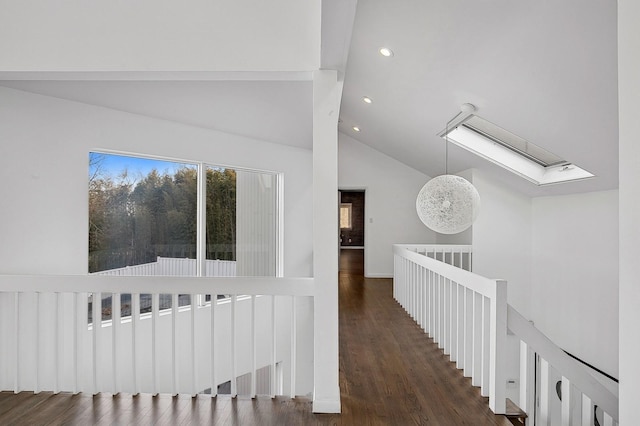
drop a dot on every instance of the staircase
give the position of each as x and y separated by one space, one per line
467 315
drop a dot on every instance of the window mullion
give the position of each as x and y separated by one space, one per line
201 239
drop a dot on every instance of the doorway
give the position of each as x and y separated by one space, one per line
352 232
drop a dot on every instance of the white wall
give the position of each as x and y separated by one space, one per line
574 289
148 35
502 239
629 96
391 189
44 156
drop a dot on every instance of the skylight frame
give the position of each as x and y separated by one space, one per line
501 153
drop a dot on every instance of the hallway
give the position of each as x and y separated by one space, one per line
390 374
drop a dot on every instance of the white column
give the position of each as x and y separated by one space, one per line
326 108
629 207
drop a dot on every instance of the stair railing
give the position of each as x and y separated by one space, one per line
467 315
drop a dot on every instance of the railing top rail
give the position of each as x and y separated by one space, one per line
464 248
157 284
475 282
572 370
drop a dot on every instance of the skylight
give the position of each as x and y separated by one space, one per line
515 154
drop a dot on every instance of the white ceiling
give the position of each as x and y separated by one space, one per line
544 70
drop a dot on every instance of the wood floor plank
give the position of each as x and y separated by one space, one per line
391 373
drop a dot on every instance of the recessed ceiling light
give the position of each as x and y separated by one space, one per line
366 100
356 128
385 51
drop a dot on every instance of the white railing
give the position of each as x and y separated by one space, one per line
170 266
581 391
48 343
468 317
464 313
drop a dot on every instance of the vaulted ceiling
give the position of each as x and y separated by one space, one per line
544 70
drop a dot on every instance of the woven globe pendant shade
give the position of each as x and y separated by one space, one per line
448 204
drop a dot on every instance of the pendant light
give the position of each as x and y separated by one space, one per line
449 204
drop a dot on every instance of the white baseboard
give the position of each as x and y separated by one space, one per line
326 406
378 275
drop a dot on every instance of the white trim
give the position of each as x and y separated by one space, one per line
285 286
158 75
378 275
326 406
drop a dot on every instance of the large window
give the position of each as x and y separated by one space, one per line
143 220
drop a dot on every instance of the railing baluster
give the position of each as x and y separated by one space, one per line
253 346
174 344
214 382
545 412
486 342
155 308
96 328
194 364
16 343
527 378
57 346
446 283
78 328
567 414
234 366
453 323
135 319
608 420
476 375
115 336
294 329
273 346
460 357
587 411
468 333
36 335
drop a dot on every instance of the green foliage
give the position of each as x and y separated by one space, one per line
131 224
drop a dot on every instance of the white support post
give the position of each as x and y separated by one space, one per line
498 349
327 91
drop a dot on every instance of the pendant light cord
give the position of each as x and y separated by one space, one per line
446 141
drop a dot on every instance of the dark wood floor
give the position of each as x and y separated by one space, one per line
390 374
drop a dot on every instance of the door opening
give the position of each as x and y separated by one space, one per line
352 230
